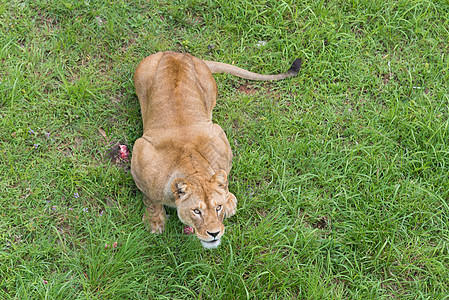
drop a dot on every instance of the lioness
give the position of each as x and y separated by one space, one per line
183 159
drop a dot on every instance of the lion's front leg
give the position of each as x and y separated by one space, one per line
231 205
154 216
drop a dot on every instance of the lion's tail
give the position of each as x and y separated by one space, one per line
217 67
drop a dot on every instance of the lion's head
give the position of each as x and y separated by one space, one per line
203 204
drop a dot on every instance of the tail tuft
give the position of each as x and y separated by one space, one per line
294 69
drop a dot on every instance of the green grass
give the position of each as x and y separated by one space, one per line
341 173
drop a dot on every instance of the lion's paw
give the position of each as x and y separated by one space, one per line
155 223
231 205
157 229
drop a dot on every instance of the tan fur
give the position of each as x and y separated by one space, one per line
183 159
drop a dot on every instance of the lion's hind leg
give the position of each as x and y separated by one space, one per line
154 216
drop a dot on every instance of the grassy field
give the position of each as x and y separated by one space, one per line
341 173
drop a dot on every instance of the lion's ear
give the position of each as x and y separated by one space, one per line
179 187
220 179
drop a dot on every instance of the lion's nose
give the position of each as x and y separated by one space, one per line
213 234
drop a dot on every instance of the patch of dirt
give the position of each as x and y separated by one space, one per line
321 223
357 30
262 212
386 77
247 89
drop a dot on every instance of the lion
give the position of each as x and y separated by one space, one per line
183 159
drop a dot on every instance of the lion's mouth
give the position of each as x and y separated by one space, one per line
211 244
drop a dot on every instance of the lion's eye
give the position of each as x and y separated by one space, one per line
197 211
218 208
